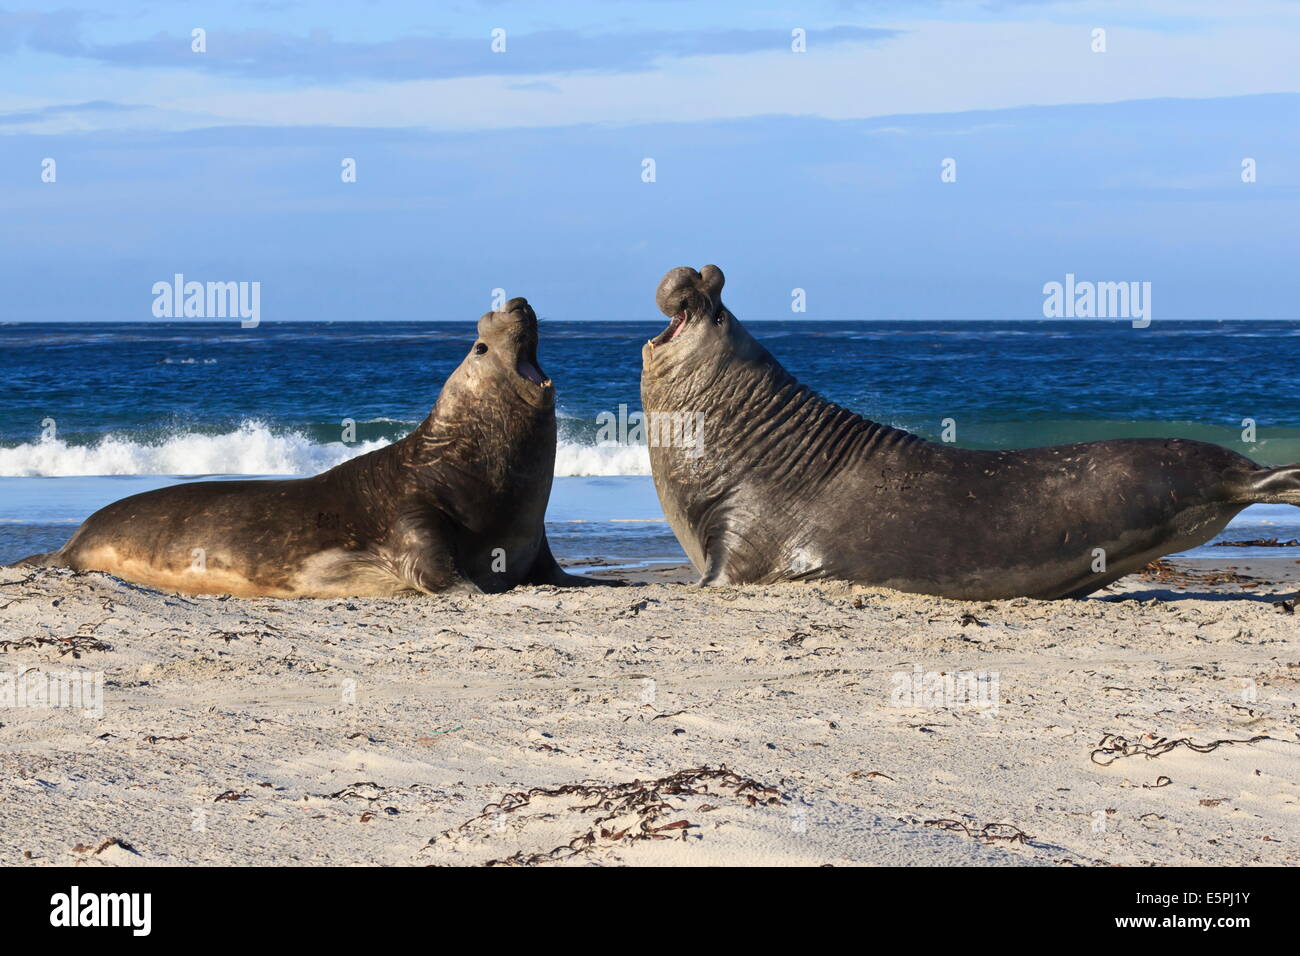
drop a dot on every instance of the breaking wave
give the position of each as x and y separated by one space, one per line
257 449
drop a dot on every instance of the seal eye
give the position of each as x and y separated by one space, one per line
480 349
719 317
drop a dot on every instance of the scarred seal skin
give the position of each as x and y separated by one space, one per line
456 504
781 485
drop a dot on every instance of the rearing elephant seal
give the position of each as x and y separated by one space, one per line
459 502
783 485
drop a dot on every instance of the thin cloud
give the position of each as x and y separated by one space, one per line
319 57
44 113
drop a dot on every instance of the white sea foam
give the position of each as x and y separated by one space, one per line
255 449
591 460
252 449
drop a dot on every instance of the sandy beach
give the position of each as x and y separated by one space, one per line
656 724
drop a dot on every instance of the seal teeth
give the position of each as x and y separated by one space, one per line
674 329
529 370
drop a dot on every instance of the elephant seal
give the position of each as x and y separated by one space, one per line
458 503
783 485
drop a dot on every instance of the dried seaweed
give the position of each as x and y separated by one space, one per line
352 790
1113 746
229 636
1259 543
111 841
647 799
1163 572
869 774
989 833
75 645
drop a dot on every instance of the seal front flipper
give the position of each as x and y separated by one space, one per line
546 570
431 570
715 573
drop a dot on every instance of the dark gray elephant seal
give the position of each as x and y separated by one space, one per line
787 486
458 503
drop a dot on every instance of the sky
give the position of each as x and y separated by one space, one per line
921 160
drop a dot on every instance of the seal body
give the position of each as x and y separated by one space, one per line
457 504
781 485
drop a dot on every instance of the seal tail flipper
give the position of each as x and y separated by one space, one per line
45 559
1268 486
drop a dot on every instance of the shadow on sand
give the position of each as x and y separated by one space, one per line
1168 594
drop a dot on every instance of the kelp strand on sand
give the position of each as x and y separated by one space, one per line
647 799
1112 747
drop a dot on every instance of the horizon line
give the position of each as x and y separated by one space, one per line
653 320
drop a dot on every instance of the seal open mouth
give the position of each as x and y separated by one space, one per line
674 329
530 371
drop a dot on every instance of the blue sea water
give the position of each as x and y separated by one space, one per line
92 412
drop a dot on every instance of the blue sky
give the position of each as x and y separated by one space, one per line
523 170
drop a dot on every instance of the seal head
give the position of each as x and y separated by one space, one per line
504 358
702 334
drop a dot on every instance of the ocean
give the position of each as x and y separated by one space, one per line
93 412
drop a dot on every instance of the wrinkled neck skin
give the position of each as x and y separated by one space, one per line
758 419
485 454
759 426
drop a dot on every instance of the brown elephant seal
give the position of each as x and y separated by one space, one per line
783 485
458 503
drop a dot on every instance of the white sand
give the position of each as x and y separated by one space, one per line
460 701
